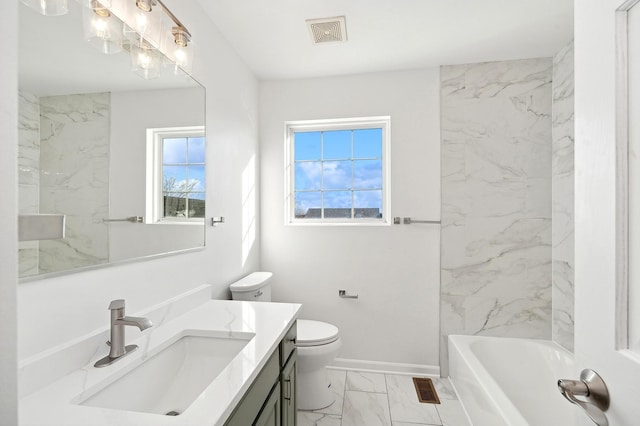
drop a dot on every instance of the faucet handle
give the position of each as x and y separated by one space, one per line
116 304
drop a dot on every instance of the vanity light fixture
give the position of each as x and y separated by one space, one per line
48 7
180 51
101 29
145 60
145 5
150 27
143 20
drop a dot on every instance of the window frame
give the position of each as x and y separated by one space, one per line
357 123
154 185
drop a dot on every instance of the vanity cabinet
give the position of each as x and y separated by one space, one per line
270 401
288 391
270 414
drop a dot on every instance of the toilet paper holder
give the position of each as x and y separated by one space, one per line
344 295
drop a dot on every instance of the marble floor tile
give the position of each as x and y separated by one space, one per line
451 413
366 382
338 379
404 404
444 388
365 408
378 399
308 418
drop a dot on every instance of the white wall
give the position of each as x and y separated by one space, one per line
8 211
55 310
395 269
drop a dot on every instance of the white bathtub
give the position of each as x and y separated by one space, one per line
511 382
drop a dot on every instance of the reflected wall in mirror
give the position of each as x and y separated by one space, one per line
83 121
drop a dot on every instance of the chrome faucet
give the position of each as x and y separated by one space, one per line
118 321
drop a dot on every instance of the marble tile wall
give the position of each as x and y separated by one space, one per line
74 178
28 174
496 203
562 198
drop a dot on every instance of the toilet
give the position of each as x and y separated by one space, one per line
317 343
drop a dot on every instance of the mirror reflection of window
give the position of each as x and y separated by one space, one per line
176 185
183 184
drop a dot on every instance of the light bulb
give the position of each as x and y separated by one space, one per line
101 27
182 56
144 61
141 22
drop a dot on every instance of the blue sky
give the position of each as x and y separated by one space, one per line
181 151
320 165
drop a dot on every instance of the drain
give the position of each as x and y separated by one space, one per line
173 413
425 390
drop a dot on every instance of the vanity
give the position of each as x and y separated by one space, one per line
220 362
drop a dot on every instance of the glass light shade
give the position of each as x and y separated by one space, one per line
179 58
183 56
143 20
177 46
145 61
102 29
48 7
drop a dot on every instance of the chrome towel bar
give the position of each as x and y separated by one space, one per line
132 219
409 221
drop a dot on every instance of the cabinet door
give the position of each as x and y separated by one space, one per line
253 401
288 382
270 414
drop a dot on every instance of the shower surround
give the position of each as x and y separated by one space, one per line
63 157
496 200
563 198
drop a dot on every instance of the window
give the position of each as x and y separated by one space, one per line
337 171
175 175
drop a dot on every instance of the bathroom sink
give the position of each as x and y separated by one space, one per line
169 381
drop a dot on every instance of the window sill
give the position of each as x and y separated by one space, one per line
178 222
316 222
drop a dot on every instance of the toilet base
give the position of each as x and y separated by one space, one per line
314 390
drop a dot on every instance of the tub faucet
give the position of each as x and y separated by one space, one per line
118 321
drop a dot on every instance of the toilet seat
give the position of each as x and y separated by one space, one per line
315 333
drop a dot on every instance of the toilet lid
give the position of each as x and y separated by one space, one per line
251 282
315 333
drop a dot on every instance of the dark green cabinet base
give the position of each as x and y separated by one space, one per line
271 399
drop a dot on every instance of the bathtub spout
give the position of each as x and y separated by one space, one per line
592 388
574 387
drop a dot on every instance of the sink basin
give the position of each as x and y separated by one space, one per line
169 381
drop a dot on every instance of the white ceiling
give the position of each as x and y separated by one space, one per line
272 37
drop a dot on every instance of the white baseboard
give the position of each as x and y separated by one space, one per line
384 367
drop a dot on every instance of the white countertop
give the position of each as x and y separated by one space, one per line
53 404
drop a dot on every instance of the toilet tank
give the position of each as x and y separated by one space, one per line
255 286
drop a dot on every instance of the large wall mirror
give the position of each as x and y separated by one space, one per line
121 156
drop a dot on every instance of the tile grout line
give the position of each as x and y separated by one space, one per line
386 386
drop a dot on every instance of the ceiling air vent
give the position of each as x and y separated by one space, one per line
328 30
